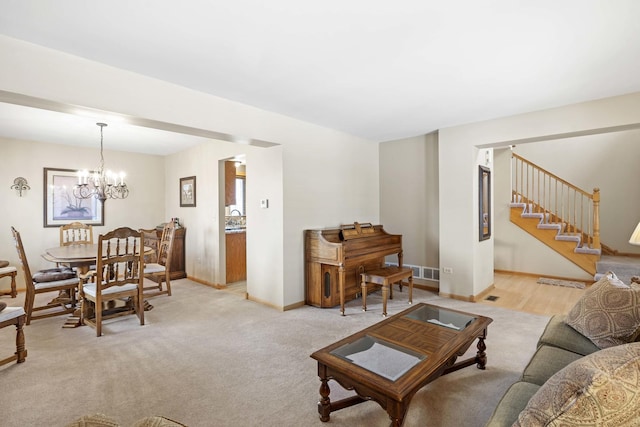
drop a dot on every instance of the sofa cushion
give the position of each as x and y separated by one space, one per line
602 388
558 334
546 361
53 275
608 313
512 403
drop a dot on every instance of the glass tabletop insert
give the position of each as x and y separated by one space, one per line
380 357
442 317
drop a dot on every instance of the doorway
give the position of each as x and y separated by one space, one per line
235 225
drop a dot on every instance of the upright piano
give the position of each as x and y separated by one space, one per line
335 258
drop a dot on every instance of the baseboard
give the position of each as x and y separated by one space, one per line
206 283
277 307
457 297
482 295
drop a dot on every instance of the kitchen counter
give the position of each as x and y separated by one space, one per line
234 230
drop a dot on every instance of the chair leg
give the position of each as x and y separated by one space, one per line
14 292
29 300
98 319
85 306
139 307
168 284
21 352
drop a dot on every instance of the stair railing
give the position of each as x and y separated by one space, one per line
558 200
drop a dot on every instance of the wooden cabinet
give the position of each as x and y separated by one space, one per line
229 183
177 256
236 256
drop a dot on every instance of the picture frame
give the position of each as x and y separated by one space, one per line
188 192
484 202
61 206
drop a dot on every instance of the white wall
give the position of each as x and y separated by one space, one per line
328 181
409 196
144 208
325 177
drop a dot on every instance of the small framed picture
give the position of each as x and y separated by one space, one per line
188 191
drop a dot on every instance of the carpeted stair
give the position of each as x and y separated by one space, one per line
528 211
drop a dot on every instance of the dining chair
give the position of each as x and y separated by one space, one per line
118 278
61 279
160 270
76 233
11 272
14 316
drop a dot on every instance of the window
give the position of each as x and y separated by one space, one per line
241 198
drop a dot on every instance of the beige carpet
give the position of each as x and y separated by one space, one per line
211 358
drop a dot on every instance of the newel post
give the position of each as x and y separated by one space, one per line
596 218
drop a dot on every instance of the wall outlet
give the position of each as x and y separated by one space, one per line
447 270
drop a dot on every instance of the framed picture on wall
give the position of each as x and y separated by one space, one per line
61 206
188 191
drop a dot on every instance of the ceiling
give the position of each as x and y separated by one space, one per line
375 69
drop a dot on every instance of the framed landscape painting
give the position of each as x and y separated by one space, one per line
61 206
188 191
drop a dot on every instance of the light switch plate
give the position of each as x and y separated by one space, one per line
264 203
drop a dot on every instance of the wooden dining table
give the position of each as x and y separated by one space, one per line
81 257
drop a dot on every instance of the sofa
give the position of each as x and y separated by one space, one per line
586 367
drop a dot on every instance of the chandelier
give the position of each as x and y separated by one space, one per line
101 185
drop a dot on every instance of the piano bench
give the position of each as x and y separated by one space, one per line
386 277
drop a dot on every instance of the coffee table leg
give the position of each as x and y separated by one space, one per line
324 404
481 356
397 413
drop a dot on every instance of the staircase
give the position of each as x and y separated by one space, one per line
552 234
559 214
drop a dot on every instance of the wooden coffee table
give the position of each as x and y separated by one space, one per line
391 360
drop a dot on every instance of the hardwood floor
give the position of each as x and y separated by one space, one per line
521 292
513 291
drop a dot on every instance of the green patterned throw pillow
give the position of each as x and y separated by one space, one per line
608 313
601 389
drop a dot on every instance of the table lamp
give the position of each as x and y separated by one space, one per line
635 236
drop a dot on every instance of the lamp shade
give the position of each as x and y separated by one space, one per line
635 236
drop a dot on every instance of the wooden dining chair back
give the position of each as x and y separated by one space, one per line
160 270
150 239
76 233
118 279
62 280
